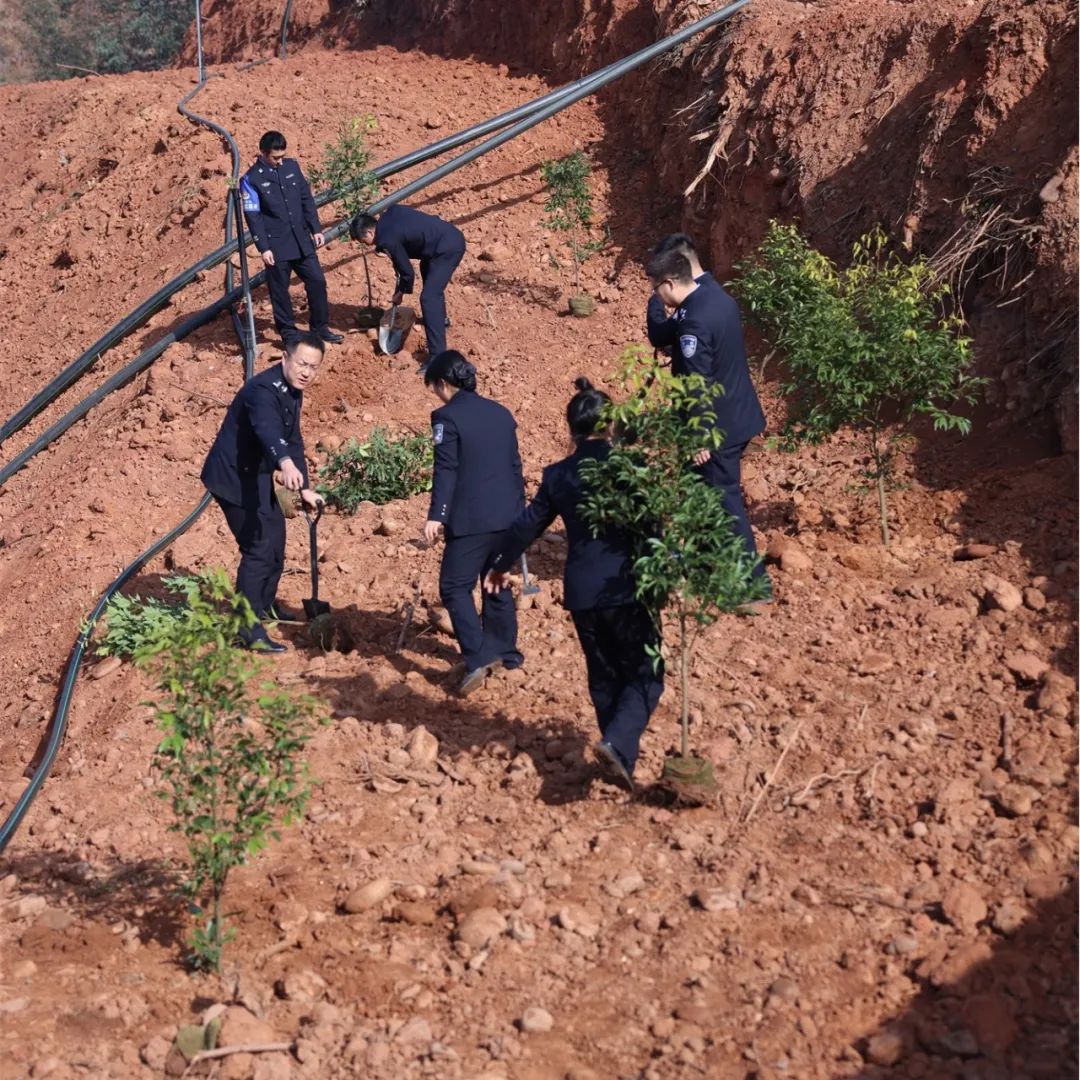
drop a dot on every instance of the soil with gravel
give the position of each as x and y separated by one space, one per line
885 885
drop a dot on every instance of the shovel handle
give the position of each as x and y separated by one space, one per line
313 540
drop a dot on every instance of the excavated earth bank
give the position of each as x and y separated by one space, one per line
900 904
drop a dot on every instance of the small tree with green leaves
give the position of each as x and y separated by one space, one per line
132 623
865 347
378 470
570 208
346 165
690 564
229 757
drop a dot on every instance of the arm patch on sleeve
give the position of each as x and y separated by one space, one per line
251 197
437 434
688 344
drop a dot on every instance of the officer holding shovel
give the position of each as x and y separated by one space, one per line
406 234
260 435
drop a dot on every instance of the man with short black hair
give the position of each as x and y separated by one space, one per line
406 234
281 217
661 328
259 436
709 342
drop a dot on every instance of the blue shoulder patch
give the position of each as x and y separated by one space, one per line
251 197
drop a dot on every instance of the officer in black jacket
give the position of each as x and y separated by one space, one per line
709 342
261 434
406 234
614 628
281 218
476 492
662 328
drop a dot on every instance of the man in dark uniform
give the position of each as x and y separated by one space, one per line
477 490
261 434
662 328
282 220
406 234
709 342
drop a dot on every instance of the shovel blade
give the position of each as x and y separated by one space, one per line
314 608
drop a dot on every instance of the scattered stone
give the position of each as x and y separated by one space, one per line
974 551
1034 599
26 907
715 900
904 944
106 667
481 927
1016 800
1025 667
417 913
416 1031
155 1053
329 443
1000 594
1057 689
626 884
388 526
795 561
874 663
23 969
1009 916
886 1047
534 1019
305 986
577 920
964 907
367 896
423 747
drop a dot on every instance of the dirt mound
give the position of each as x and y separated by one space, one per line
886 882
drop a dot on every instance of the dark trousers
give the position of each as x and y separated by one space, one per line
492 634
623 684
722 471
311 274
435 274
260 535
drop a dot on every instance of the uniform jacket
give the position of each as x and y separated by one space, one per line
709 342
662 328
598 568
406 234
261 427
478 485
279 209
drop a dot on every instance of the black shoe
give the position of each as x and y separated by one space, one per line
262 643
475 679
446 322
330 337
613 764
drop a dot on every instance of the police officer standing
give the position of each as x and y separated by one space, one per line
709 342
477 490
406 234
662 328
281 217
261 434
615 629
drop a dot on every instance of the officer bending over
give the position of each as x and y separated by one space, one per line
406 234
476 492
709 342
662 328
613 626
261 434
280 214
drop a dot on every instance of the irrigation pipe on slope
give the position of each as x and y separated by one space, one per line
136 318
58 723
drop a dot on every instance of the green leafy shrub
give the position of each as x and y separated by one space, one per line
570 208
229 757
379 470
865 347
132 623
346 165
689 564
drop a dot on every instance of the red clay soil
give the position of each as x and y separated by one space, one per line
886 884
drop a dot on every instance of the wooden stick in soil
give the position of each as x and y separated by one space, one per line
243 1048
776 771
404 627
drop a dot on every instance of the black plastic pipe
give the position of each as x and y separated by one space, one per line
134 319
285 30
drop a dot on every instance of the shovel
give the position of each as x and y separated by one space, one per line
314 607
528 587
369 316
394 328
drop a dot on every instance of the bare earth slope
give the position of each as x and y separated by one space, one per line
900 903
